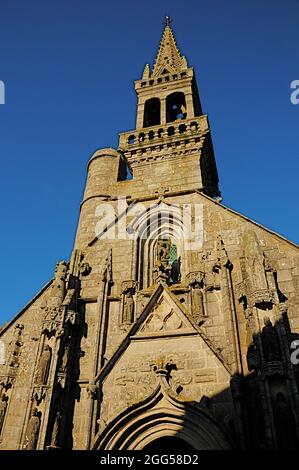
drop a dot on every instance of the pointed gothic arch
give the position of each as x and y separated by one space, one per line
160 415
157 222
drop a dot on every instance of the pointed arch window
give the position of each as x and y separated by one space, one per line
159 245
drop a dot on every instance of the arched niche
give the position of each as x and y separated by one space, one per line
161 221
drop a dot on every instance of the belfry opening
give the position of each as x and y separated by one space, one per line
176 107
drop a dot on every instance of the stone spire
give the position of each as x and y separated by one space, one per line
169 59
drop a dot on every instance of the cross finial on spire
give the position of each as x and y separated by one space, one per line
169 59
168 21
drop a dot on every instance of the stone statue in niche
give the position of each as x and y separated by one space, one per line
65 355
44 366
197 301
56 430
128 315
51 305
128 303
255 260
163 247
162 266
57 291
3 408
107 268
197 284
15 345
33 430
270 341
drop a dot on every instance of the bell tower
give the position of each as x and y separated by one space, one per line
170 123
175 323
168 93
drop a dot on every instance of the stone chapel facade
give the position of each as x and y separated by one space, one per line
144 337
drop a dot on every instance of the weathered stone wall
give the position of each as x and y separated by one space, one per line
131 380
120 335
20 339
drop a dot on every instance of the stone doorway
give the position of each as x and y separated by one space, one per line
167 445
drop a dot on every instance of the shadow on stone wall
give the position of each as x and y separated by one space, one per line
257 411
263 409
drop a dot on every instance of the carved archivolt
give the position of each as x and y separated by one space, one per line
162 414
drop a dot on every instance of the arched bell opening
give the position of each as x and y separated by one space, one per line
152 112
176 107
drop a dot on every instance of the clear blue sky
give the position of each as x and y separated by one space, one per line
69 66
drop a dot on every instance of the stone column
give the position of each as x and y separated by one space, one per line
140 115
163 111
189 105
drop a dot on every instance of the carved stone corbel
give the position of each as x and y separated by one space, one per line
92 390
162 367
39 394
85 269
72 318
196 278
